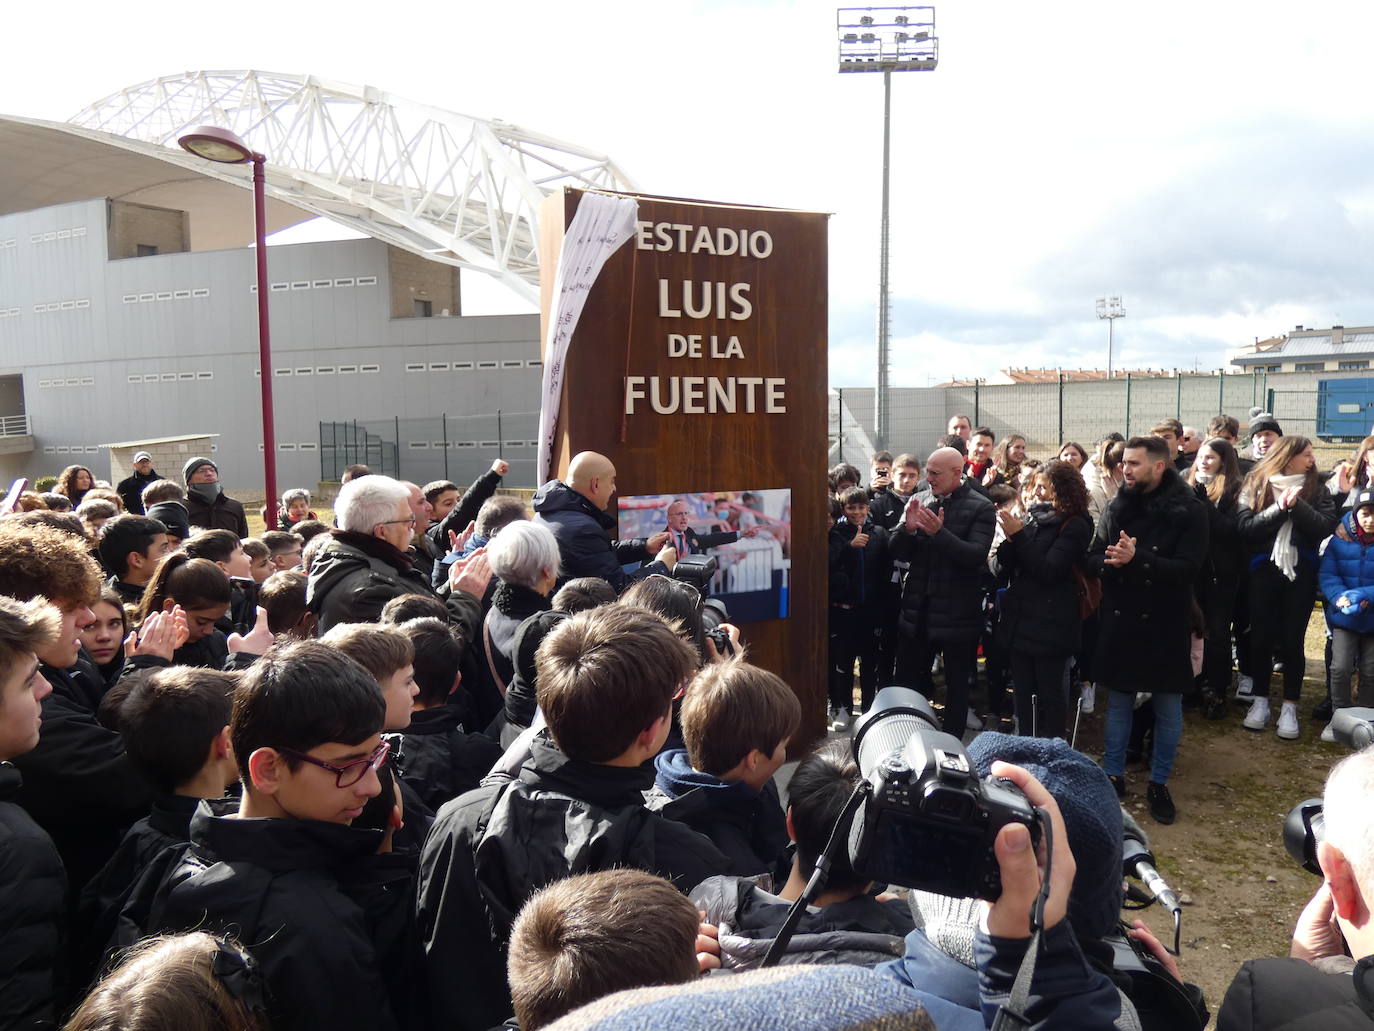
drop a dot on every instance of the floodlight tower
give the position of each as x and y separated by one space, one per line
1111 309
887 40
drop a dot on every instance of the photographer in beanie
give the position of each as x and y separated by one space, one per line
206 503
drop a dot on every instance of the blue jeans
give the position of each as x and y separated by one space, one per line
1168 733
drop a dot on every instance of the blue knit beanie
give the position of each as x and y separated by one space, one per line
1092 816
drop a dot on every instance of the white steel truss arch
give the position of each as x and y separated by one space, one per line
452 188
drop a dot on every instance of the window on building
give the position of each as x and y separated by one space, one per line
423 309
1353 365
1272 368
1310 367
145 250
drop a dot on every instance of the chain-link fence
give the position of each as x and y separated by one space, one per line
442 447
1314 404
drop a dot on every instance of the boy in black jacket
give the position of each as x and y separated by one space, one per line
860 594
33 885
78 784
323 906
441 760
737 721
175 726
607 682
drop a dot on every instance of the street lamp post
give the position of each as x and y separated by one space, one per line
220 145
1111 309
887 40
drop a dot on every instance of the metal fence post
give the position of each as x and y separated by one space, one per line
977 405
1221 391
397 421
1061 409
1126 430
1178 395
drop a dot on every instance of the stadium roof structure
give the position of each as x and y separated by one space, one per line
455 189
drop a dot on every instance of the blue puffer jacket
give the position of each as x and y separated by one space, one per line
1347 569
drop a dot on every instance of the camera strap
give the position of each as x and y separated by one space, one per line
1011 1015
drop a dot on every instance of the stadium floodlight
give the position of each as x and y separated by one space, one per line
224 147
887 40
1111 309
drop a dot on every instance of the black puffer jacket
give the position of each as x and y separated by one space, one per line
584 542
511 605
861 931
494 847
460 515
33 894
1150 598
353 577
521 702
442 761
1313 521
327 919
859 576
1039 613
78 784
945 581
1293 995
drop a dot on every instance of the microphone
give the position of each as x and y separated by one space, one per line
1139 862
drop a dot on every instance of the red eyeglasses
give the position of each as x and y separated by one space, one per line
348 774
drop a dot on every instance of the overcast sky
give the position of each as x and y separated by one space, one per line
1212 162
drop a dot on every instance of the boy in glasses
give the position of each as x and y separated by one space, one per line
606 683
322 905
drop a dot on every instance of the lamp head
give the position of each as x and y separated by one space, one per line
215 144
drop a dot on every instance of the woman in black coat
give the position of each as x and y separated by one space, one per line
1040 627
1215 478
1283 516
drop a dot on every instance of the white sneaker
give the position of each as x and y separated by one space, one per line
841 720
1329 734
1245 688
1087 699
1258 716
972 722
1288 721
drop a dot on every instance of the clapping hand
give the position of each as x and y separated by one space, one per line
161 634
471 574
1120 553
255 642
1011 525
928 521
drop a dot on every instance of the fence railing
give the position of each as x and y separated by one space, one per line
441 447
14 426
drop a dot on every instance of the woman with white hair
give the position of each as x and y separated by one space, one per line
524 555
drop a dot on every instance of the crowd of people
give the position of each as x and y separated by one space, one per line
453 761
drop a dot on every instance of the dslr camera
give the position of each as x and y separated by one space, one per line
928 821
1304 828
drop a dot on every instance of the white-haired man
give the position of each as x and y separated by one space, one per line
365 563
1328 980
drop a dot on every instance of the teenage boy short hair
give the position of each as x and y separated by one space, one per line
216 545
283 596
438 651
1168 426
125 535
1001 493
308 529
854 496
381 650
280 542
582 593
170 719
434 488
906 461
256 549
497 512
405 607
162 490
586 937
606 675
311 549
25 628
816 795
731 709
40 561
299 696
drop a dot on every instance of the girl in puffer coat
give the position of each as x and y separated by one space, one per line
1347 581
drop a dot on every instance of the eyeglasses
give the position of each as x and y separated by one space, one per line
677 584
348 774
409 519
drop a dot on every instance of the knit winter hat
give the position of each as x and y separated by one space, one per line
173 515
1265 421
1092 816
189 469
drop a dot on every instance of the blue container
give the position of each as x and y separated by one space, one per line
1345 410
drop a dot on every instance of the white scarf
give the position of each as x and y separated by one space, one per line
1285 553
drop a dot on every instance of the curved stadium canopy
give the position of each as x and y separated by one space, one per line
446 186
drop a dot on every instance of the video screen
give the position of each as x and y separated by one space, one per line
748 531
